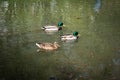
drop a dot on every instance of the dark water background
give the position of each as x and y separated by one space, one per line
95 56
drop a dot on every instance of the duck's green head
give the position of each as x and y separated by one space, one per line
75 33
60 24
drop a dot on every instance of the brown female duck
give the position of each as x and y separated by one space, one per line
48 46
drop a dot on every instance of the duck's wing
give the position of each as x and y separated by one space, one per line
66 36
48 27
52 28
47 44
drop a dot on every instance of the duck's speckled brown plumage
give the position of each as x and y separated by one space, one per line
48 46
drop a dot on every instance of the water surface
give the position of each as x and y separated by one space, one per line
94 56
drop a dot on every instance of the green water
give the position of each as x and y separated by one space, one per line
94 56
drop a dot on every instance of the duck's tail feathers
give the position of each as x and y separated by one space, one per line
38 44
43 28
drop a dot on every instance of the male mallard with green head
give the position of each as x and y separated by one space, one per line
48 46
56 28
69 37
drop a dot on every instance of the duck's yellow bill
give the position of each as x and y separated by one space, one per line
79 35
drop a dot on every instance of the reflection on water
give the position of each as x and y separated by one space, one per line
5 5
94 56
116 61
67 48
97 6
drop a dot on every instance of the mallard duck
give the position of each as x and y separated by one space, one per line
48 46
56 28
69 37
